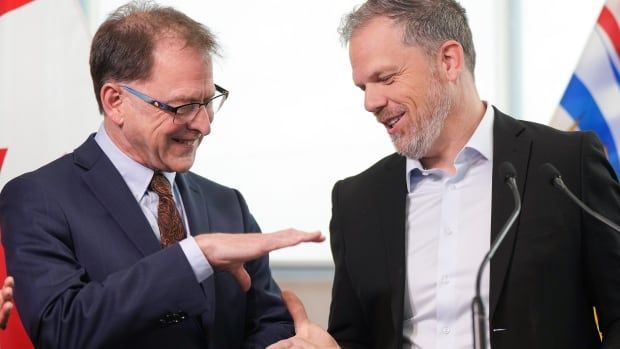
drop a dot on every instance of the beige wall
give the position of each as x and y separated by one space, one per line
313 285
315 295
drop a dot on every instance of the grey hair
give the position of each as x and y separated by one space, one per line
427 23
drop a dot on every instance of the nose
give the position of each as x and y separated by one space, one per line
374 101
201 122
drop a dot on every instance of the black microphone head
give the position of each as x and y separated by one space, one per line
507 170
552 173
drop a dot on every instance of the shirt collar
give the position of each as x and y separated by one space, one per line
136 176
481 142
482 139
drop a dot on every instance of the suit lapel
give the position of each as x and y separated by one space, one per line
194 203
510 143
196 209
109 187
391 195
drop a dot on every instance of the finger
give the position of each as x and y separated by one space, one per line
259 244
9 282
295 308
295 342
242 276
291 237
5 313
222 248
283 344
6 294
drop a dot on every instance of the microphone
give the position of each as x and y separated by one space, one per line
479 318
556 180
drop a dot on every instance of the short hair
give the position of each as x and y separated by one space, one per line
122 48
427 23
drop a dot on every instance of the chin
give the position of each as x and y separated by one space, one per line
183 166
411 148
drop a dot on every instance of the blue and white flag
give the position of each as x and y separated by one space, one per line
592 99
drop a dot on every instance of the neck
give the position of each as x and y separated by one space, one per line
458 128
117 137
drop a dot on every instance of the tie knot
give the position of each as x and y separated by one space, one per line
160 185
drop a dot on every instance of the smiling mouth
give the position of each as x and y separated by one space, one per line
187 142
390 122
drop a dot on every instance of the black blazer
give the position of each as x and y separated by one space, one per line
555 264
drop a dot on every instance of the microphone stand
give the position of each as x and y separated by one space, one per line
479 317
559 183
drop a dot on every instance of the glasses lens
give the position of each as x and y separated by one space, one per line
216 103
186 112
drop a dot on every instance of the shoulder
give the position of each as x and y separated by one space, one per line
53 175
384 174
538 132
545 140
377 171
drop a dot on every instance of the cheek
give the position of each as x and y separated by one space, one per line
406 94
151 137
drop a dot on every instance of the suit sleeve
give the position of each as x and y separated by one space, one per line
346 318
267 319
59 304
600 190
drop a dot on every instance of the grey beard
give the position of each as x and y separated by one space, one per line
427 127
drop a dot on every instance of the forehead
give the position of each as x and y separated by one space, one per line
378 45
172 58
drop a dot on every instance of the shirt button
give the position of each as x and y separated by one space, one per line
445 280
445 330
447 231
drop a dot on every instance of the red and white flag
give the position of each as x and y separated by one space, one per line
47 106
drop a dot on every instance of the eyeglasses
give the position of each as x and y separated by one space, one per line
186 112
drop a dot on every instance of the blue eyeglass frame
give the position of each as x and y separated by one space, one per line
223 93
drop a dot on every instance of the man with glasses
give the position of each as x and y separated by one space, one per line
107 244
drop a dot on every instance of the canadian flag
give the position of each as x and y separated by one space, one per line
47 106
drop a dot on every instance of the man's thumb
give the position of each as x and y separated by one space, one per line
295 307
242 276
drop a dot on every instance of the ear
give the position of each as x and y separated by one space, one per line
451 59
112 102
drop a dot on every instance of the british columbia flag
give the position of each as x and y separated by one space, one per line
592 99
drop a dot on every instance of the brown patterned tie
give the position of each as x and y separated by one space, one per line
168 218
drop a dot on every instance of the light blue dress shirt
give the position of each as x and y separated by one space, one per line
448 232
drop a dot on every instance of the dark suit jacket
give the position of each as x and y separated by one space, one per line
90 273
554 265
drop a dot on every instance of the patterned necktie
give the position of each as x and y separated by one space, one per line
168 218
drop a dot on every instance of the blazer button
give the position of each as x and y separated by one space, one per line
172 318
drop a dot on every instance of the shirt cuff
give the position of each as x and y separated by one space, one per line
197 260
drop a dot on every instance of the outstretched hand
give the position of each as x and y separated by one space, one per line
229 251
308 335
6 301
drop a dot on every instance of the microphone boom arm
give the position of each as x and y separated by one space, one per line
479 317
559 183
